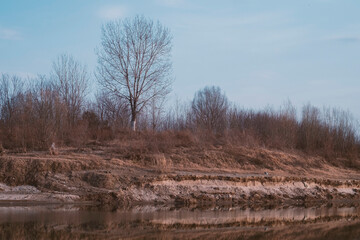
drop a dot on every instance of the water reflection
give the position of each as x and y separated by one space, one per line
150 222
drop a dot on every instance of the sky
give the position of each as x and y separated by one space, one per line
261 53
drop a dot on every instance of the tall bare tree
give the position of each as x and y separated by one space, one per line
134 61
71 80
210 107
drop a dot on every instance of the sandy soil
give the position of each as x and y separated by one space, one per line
237 176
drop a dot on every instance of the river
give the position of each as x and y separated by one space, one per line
167 222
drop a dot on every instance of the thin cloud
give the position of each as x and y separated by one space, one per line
343 38
347 39
112 12
9 34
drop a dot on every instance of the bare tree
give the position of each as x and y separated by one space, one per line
134 62
210 107
11 99
156 110
44 108
10 88
71 80
112 110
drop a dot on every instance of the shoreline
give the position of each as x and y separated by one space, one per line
200 190
101 178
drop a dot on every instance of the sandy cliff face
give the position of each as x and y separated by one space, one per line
102 177
202 189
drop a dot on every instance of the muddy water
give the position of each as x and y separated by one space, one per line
150 222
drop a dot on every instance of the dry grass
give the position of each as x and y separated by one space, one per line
32 119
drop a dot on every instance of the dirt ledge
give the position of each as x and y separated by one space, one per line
102 178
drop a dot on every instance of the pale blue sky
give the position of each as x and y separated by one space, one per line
259 52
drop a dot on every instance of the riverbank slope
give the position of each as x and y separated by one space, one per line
115 176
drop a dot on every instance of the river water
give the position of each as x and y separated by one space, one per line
164 222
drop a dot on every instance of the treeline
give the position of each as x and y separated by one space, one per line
330 132
37 112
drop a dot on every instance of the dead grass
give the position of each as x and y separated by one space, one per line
166 150
169 150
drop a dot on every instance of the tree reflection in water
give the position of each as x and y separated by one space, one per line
71 222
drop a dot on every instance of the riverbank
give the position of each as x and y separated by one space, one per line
107 176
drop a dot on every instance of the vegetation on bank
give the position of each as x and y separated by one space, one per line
135 74
35 115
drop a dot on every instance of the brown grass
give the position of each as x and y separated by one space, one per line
34 118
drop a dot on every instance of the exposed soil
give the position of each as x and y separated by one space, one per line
107 176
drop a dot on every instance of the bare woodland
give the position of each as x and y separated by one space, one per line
135 73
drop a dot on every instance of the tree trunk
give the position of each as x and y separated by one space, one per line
133 122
